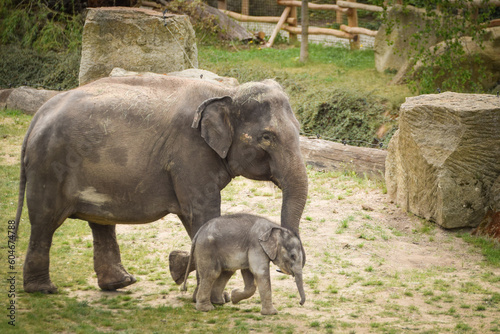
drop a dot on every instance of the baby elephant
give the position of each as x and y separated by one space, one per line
247 242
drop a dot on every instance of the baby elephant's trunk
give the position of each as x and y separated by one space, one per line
300 287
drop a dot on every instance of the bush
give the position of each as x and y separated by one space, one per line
343 115
49 69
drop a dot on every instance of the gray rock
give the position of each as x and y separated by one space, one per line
444 159
135 39
395 56
27 99
189 73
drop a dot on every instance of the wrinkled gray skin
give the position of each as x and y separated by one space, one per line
247 242
129 150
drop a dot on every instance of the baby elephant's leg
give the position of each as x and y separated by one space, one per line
264 283
206 281
219 296
237 295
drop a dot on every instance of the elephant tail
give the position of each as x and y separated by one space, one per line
191 254
22 188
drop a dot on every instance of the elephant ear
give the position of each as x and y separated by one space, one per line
269 242
213 118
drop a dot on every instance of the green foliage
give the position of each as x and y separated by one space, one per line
31 24
448 66
51 70
40 46
489 248
342 114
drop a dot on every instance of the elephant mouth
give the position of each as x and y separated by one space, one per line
284 272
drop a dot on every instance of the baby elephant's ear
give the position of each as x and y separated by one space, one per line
269 242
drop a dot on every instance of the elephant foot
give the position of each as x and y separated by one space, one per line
177 262
268 311
38 283
237 295
222 300
112 286
47 288
204 307
114 277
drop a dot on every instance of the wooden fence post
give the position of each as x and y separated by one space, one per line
293 37
277 29
245 7
221 4
352 21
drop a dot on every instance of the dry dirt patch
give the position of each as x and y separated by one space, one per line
370 266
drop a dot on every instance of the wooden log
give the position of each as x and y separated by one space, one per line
355 5
277 29
295 3
264 19
494 23
358 30
331 156
150 4
320 31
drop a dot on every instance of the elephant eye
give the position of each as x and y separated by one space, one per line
294 258
267 136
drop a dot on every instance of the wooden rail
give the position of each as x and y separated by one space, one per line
288 19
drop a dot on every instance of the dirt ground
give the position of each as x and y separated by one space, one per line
370 266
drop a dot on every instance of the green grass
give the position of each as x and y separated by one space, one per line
489 248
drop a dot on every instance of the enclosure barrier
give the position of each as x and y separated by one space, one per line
350 31
289 16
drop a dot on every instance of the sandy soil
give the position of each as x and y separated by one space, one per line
370 266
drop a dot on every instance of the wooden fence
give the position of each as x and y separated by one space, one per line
351 31
288 19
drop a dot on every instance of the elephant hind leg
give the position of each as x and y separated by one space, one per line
36 276
111 274
219 296
237 295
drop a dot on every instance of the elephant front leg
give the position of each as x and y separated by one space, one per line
264 283
107 260
237 295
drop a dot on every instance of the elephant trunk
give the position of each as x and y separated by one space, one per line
294 187
300 287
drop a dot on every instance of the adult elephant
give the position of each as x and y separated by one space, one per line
130 150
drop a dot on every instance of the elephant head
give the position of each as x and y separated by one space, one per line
256 133
286 251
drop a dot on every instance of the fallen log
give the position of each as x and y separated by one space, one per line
331 156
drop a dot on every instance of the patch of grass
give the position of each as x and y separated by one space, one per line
489 248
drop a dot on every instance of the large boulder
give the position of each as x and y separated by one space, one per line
394 55
135 39
445 157
26 99
189 73
488 52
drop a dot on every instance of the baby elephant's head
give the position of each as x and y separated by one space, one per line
285 250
